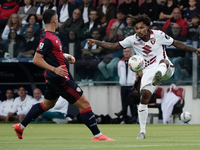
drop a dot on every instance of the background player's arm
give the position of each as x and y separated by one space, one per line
105 45
39 61
182 46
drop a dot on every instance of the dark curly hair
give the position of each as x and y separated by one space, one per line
141 18
29 16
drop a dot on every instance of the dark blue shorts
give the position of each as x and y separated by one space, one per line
69 90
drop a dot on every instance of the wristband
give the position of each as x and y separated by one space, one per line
66 55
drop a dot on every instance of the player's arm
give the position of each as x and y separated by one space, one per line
185 47
39 61
105 45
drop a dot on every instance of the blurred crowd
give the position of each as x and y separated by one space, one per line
15 108
105 20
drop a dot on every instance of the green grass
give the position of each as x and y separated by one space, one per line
78 137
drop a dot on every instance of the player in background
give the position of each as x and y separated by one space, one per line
150 45
49 56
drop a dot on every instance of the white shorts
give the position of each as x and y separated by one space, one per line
148 74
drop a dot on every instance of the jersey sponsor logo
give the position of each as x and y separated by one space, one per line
135 43
147 51
41 45
56 41
167 37
153 41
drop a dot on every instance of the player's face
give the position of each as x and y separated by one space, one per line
9 94
141 29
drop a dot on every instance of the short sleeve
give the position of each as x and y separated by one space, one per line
166 39
44 46
38 11
126 42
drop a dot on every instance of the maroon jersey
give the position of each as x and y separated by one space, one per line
51 48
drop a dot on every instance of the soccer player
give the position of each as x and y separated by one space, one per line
49 55
150 45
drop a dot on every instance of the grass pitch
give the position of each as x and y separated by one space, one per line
78 137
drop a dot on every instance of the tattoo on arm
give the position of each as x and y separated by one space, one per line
182 46
107 45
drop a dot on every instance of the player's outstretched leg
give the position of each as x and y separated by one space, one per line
157 78
160 72
33 113
89 119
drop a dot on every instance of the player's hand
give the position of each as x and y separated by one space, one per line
71 59
198 52
60 71
91 42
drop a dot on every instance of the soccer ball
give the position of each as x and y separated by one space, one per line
186 116
136 63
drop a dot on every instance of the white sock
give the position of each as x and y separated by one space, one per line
97 135
142 114
163 68
22 127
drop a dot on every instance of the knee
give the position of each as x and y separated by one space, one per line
145 96
164 61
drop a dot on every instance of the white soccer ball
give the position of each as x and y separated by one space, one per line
136 63
186 116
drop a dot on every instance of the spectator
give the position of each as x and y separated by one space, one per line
48 4
150 8
31 23
167 9
90 60
72 38
37 98
75 22
14 23
57 113
187 14
107 65
6 10
129 30
91 24
85 10
176 19
126 76
193 28
64 12
6 105
20 105
10 48
26 10
120 22
106 12
177 56
183 4
132 100
129 7
29 46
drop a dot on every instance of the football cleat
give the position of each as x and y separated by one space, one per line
141 135
102 138
157 78
18 130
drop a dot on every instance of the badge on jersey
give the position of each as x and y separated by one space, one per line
153 41
167 37
41 45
